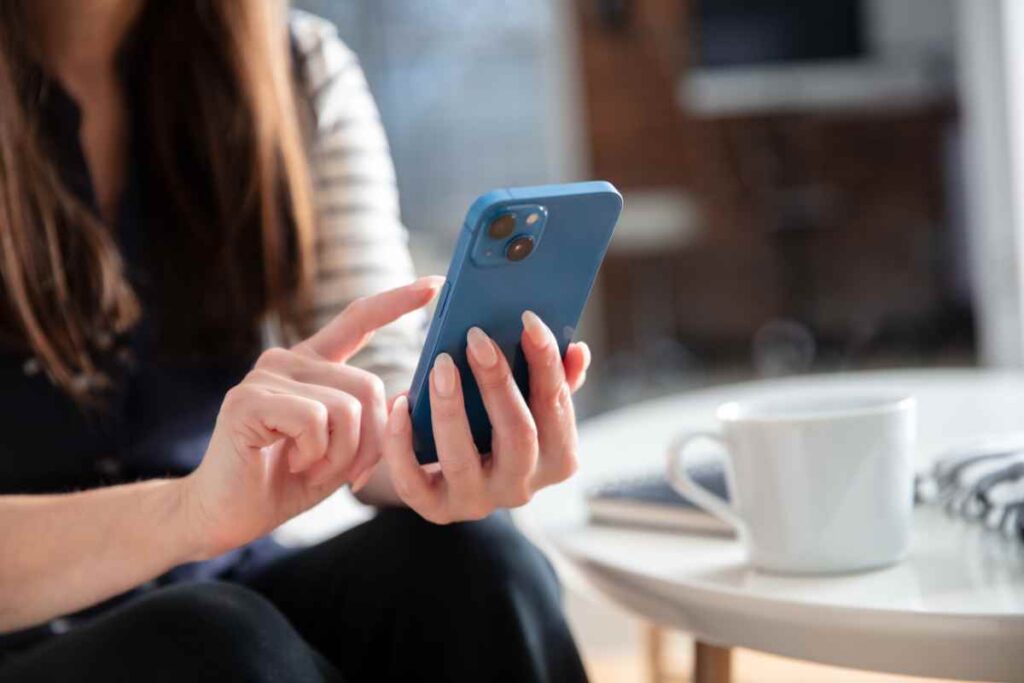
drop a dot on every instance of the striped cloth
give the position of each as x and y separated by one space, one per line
362 245
982 480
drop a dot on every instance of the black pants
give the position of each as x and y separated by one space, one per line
395 599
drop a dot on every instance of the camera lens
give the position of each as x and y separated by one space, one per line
502 226
519 248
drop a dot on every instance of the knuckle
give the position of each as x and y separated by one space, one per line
347 408
566 465
315 416
446 410
378 392
497 378
520 495
557 398
275 357
562 398
236 399
356 307
459 466
257 375
523 438
342 431
369 387
549 359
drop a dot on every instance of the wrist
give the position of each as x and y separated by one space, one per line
187 527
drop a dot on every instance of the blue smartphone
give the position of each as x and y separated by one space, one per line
527 248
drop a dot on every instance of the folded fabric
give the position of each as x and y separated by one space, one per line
982 480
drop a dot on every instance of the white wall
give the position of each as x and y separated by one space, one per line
990 49
474 95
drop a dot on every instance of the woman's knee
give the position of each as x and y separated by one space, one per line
489 556
212 631
206 608
491 592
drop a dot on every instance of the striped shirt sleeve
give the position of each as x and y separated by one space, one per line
362 245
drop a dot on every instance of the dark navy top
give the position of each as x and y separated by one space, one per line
158 418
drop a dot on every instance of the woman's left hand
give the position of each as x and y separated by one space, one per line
533 445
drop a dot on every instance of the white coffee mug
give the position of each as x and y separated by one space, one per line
820 483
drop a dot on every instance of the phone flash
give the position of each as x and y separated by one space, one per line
532 218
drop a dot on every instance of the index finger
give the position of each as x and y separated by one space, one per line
349 331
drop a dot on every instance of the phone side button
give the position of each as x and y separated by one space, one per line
442 300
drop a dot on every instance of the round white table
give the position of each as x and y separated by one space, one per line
954 608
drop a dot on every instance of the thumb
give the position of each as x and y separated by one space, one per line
349 331
391 401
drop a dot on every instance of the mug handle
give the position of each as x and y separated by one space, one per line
683 483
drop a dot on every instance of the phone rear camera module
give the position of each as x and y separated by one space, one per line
507 234
519 248
502 226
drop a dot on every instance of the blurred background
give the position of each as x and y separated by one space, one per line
809 186
797 174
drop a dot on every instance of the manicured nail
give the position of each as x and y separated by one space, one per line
428 282
399 415
481 347
444 375
362 480
538 332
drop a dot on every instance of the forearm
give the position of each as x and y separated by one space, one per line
62 553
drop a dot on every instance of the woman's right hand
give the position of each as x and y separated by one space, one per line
300 425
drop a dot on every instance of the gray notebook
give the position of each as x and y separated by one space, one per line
651 502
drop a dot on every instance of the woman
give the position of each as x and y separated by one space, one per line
179 183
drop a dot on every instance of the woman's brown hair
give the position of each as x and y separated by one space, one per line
230 232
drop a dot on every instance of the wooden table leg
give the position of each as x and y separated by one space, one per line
654 638
711 663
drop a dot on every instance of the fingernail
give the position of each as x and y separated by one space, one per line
481 347
538 332
362 480
428 282
399 413
444 375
